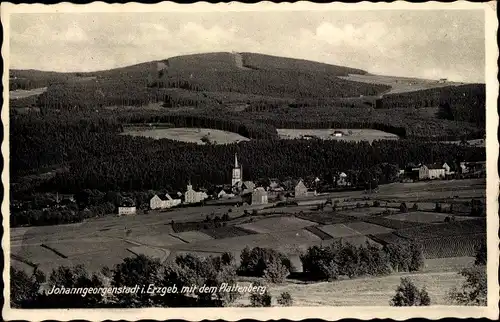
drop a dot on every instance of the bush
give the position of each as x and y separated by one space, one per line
414 207
474 290
376 203
260 300
407 294
276 272
285 299
437 208
403 207
261 261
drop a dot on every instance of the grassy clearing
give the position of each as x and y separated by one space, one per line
148 251
339 230
399 84
226 232
364 228
192 236
327 134
158 240
21 93
192 135
277 224
363 291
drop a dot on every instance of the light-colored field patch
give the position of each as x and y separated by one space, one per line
74 248
339 230
289 242
399 84
149 251
365 228
328 134
192 236
364 291
424 217
192 135
21 93
277 224
157 240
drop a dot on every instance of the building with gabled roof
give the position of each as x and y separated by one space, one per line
431 171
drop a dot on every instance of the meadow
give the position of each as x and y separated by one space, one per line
355 135
192 135
399 84
105 241
22 93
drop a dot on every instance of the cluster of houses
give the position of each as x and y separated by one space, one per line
441 170
259 194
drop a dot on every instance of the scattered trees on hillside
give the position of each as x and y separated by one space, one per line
407 294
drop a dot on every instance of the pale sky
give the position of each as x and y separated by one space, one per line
427 44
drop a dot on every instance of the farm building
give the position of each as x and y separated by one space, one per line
447 168
302 191
432 171
127 208
163 202
223 194
259 196
192 196
338 133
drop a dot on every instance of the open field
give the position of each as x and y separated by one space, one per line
21 93
192 135
442 247
398 84
424 217
277 224
327 134
149 251
109 239
192 236
376 291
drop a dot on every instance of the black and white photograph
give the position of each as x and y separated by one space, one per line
230 156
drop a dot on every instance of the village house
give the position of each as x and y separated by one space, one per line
259 196
342 181
338 133
302 191
163 202
223 194
432 171
127 207
192 196
65 198
447 169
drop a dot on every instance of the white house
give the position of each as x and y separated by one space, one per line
224 195
163 202
338 133
431 172
447 169
192 196
342 181
259 196
127 210
302 191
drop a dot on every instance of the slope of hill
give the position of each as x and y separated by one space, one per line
268 62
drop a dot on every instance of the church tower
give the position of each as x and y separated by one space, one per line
237 173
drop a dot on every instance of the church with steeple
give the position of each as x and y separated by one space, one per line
237 172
